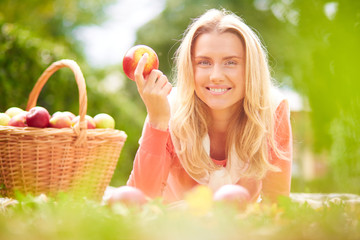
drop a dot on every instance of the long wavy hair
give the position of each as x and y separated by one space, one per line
250 133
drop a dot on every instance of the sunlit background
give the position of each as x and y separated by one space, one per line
313 52
106 43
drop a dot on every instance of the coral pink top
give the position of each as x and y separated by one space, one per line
158 172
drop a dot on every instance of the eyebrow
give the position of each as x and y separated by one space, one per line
228 57
200 56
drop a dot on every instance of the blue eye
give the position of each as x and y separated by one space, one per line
203 62
231 62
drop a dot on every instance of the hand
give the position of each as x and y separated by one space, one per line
154 91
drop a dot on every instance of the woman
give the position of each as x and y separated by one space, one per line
224 123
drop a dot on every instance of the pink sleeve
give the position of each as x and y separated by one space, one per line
278 183
152 162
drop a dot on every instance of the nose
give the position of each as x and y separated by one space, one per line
217 74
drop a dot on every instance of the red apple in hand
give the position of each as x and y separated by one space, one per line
38 117
132 57
19 120
89 120
233 194
60 120
127 195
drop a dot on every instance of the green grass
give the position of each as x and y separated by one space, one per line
68 218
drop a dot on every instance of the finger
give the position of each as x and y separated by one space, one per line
153 77
138 74
167 88
162 81
159 84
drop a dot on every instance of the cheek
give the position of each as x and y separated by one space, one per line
242 90
239 79
199 77
197 87
239 75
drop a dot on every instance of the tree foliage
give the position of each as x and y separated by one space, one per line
32 35
324 39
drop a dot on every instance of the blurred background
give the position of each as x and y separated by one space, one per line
313 47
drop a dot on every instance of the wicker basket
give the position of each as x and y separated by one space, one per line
50 160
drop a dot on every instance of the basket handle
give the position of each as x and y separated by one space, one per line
34 94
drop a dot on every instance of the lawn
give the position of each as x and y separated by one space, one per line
198 217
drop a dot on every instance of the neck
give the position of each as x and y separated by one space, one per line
220 119
218 130
219 124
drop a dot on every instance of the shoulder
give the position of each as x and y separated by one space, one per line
279 103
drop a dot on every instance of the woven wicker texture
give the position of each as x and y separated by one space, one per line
50 160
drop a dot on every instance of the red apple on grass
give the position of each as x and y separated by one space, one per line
89 120
18 120
132 57
38 117
233 194
127 195
103 120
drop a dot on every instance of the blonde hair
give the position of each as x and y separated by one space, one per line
251 131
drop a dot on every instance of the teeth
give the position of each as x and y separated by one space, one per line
218 90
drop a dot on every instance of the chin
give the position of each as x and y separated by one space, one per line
223 107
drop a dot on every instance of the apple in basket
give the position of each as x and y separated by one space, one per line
18 120
60 120
89 120
38 117
4 119
11 112
103 120
132 57
130 196
66 113
233 194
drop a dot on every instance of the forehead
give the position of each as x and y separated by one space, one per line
213 43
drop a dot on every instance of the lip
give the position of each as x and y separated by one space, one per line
218 90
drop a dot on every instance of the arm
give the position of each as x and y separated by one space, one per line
152 162
278 183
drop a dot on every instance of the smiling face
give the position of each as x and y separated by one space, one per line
219 70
